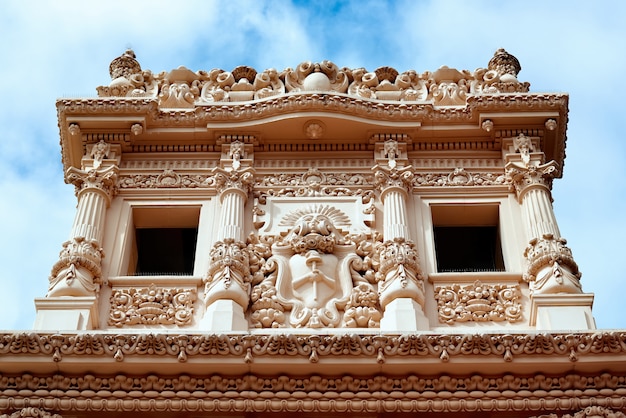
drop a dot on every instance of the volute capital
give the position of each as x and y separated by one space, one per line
524 177
102 180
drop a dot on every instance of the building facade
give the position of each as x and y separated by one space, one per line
322 241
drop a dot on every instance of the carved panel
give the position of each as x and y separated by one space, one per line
151 306
478 302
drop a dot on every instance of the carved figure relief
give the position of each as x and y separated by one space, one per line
151 306
314 275
478 302
229 273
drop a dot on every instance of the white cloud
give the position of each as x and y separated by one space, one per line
53 49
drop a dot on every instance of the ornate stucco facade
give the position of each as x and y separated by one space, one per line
320 240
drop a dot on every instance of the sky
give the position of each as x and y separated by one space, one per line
55 49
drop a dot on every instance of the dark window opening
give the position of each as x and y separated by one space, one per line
165 251
468 248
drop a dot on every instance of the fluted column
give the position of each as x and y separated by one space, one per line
400 281
551 266
227 284
77 273
557 299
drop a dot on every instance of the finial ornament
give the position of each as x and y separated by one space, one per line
504 63
125 65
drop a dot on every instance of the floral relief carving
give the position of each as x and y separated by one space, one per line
167 179
151 306
314 183
478 302
458 177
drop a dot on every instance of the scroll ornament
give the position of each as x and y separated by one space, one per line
183 88
478 303
151 306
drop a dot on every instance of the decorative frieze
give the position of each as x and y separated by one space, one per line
167 179
373 348
458 177
151 306
411 393
478 302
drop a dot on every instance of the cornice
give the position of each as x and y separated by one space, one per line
245 351
315 393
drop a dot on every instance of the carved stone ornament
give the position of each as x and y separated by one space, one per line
168 179
458 177
399 274
240 180
183 88
99 152
103 180
589 412
313 276
78 270
31 412
524 146
551 266
229 274
522 177
386 178
478 302
319 394
151 306
314 183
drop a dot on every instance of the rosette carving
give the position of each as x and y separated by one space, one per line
151 306
229 273
78 270
478 302
551 266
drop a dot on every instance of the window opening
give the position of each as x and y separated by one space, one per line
467 238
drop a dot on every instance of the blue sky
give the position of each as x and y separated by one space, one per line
63 49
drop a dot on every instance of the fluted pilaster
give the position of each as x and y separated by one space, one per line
78 270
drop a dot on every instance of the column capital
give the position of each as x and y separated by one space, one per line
393 178
237 180
102 180
524 177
